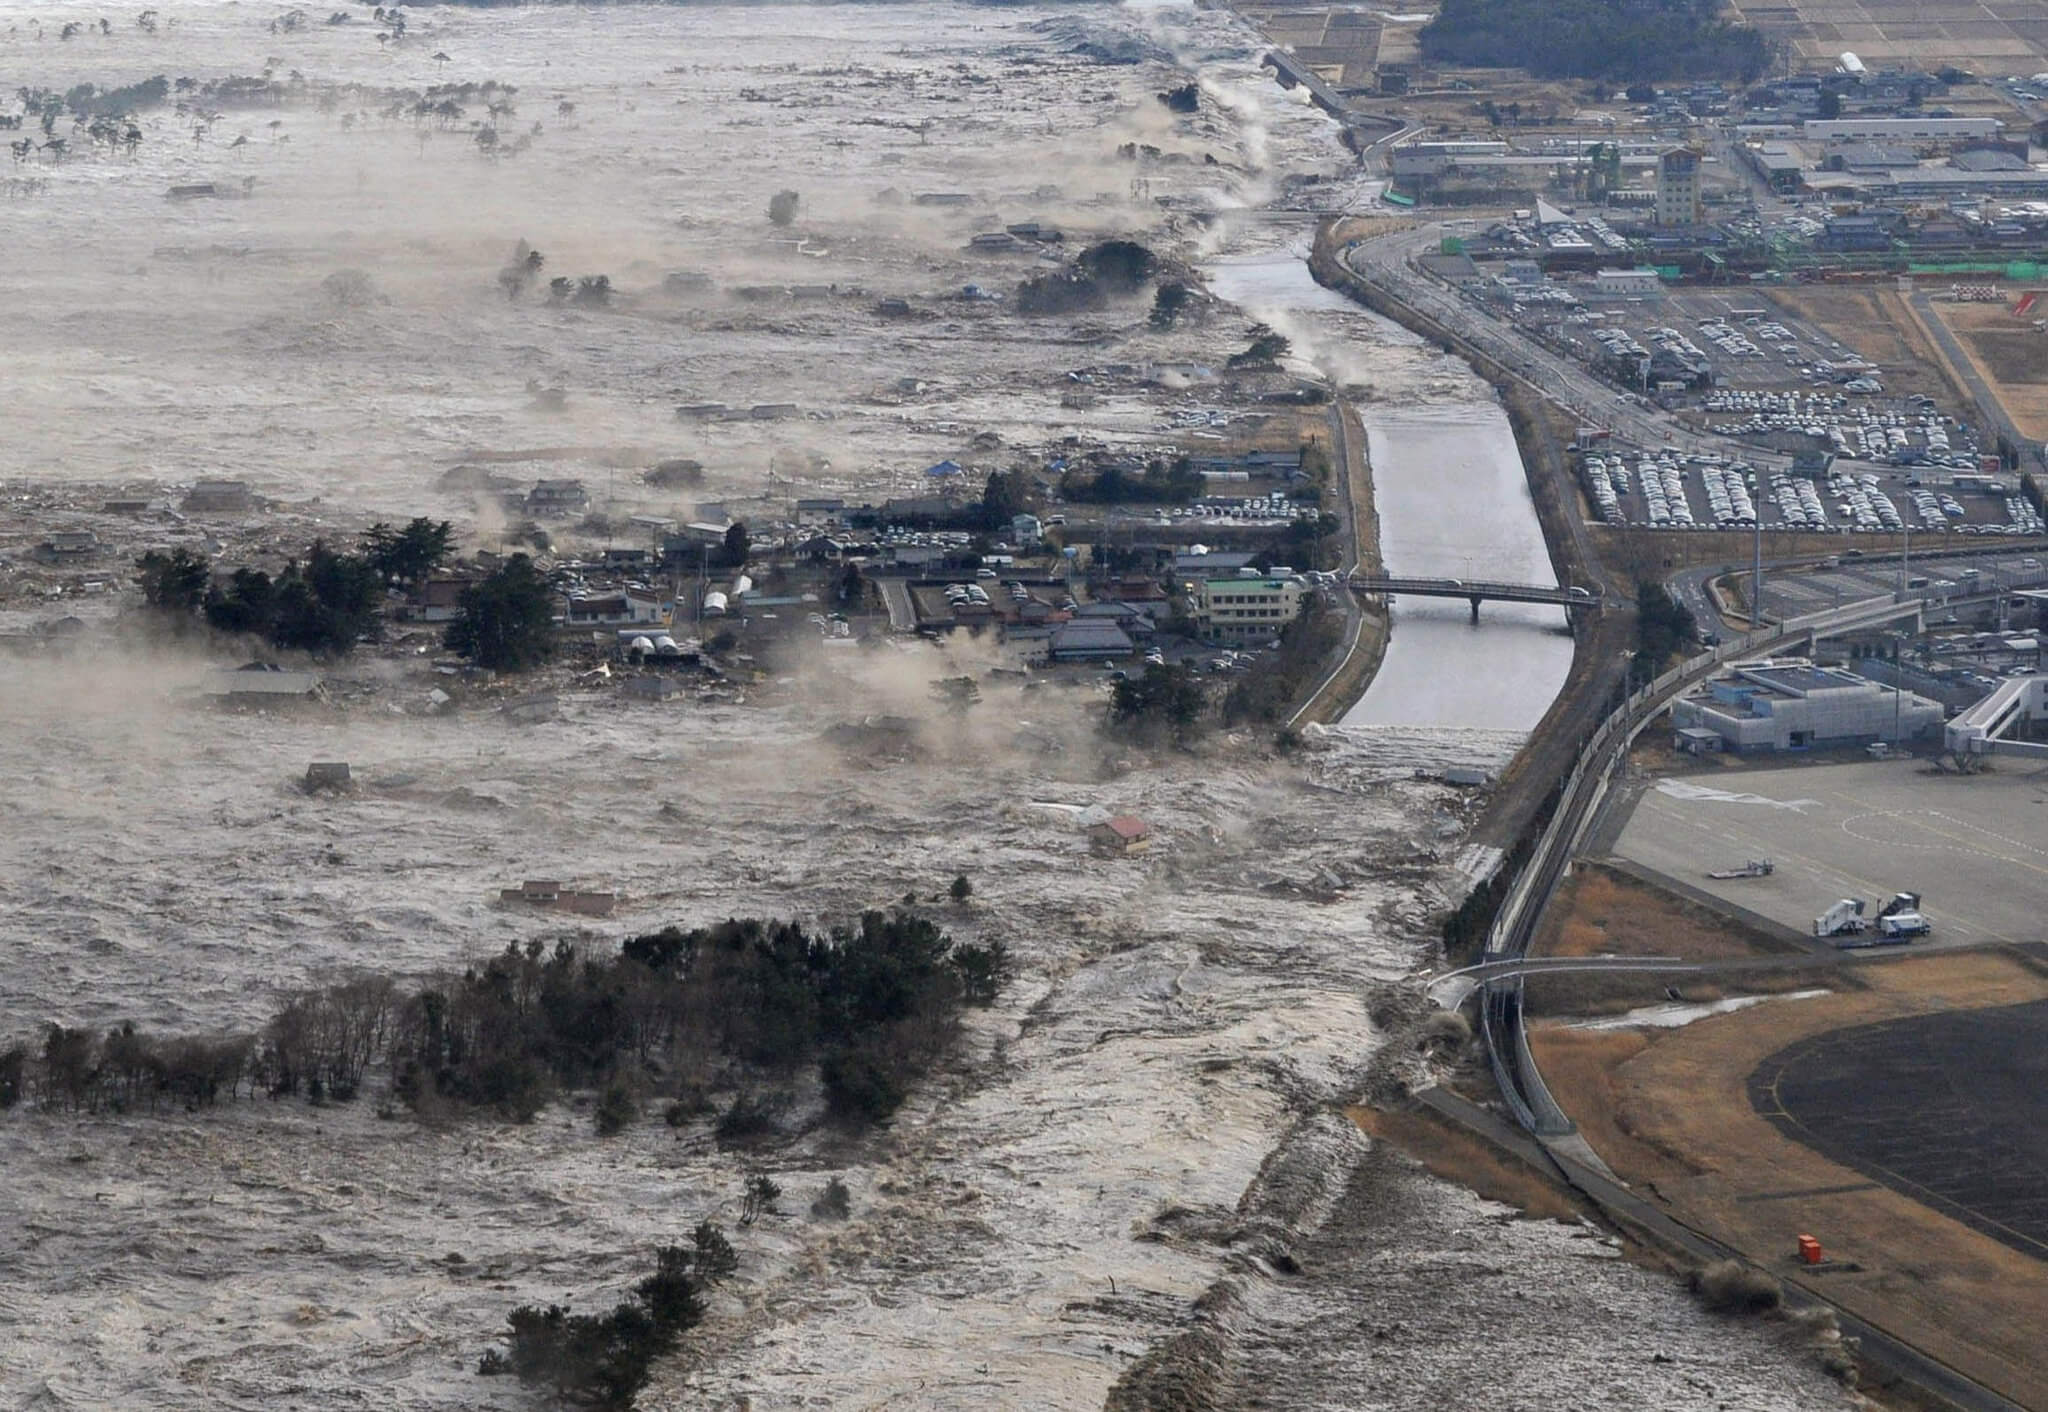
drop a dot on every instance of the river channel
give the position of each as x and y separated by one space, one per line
1453 502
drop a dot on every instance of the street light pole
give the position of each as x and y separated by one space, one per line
1756 579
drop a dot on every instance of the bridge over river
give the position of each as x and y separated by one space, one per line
1478 591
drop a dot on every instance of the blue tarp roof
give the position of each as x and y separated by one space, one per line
945 468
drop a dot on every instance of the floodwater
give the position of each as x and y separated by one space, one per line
1152 1108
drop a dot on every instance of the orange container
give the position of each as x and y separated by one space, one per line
1809 1250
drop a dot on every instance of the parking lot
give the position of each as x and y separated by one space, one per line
1971 845
1669 490
1749 344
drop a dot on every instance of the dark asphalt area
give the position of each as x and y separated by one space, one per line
1950 1109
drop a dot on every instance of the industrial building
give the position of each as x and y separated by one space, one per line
1790 704
1892 130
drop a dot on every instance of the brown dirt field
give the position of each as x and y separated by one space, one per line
1877 325
2011 355
1674 1118
1583 1064
1366 227
1598 910
1458 1156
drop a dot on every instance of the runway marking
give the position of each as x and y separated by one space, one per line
1691 793
1957 843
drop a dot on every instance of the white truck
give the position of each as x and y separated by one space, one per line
1901 918
1845 918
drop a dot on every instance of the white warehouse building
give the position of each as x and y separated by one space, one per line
1790 704
1901 129
1641 282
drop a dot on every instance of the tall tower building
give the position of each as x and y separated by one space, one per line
1678 188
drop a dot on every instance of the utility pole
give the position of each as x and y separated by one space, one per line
1756 579
1898 693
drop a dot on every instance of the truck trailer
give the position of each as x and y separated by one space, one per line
1845 918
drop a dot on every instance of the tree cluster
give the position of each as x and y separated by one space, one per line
1165 702
323 605
1265 350
506 622
86 101
1169 302
1121 267
1006 495
870 1006
1160 483
406 556
1060 292
1112 269
1626 40
602 1360
587 292
1664 628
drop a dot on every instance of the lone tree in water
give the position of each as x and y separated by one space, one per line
507 621
782 207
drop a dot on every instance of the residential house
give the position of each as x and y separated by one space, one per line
1136 621
1121 836
1089 640
1208 564
219 497
557 499
626 605
440 598
820 513
260 683
69 547
551 895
